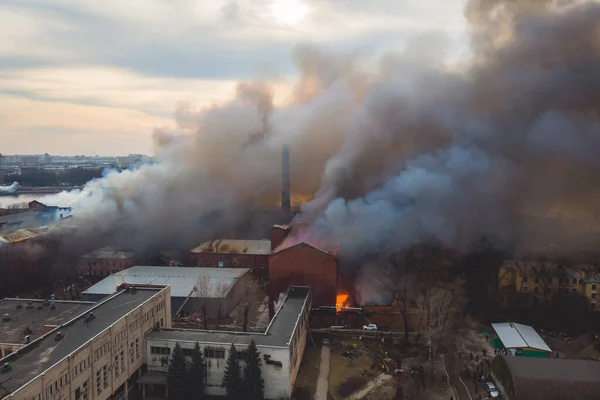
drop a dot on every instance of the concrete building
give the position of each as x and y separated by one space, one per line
191 288
253 254
105 261
97 358
522 378
281 347
520 340
300 259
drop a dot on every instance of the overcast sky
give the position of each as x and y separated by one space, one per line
95 77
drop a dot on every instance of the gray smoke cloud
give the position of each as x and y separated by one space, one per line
408 151
506 147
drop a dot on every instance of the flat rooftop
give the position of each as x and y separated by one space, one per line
13 331
181 279
34 359
278 333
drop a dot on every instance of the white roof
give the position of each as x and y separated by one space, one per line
181 279
515 335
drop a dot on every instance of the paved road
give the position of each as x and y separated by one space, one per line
323 379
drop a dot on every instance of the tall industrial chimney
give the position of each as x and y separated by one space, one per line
286 206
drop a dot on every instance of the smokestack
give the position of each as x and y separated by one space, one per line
286 206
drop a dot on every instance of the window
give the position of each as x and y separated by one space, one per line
593 286
105 375
187 352
593 295
131 353
566 280
122 360
524 289
581 281
574 281
549 290
85 390
160 350
98 383
211 352
116 366
137 348
525 279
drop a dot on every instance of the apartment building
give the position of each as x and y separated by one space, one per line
96 355
544 279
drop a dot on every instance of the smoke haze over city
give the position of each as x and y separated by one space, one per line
391 150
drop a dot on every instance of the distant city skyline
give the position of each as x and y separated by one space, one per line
88 77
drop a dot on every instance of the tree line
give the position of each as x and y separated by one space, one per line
188 381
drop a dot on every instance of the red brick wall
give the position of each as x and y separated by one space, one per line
103 267
277 236
304 265
258 263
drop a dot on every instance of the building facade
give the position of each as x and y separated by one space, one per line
96 359
253 254
543 280
281 348
105 261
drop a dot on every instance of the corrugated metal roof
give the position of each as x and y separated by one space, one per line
109 253
229 246
515 335
181 279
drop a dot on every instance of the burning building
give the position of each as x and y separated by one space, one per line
298 258
253 254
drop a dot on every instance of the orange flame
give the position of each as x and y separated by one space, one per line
340 301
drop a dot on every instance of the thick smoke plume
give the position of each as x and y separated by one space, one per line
504 145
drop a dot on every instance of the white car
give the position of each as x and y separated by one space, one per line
370 327
491 389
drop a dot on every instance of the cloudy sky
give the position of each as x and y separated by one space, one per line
96 77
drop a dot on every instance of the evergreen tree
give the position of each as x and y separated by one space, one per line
231 380
176 375
254 385
195 377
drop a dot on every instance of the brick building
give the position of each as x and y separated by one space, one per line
253 254
298 258
105 261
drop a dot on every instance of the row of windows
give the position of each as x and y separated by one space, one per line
102 379
83 365
209 352
574 281
104 349
148 316
57 385
160 305
537 290
120 336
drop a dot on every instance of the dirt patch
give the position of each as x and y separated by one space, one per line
345 368
351 385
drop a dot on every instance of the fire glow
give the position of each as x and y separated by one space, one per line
340 301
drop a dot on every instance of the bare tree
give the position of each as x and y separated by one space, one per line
440 306
203 292
249 291
219 293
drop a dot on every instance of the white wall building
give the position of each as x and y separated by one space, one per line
281 347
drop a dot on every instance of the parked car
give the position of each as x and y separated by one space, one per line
59 336
491 389
6 317
370 327
5 367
